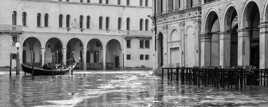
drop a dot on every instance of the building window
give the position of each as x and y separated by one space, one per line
147 44
119 23
128 57
68 18
107 2
81 1
100 22
88 1
128 43
46 20
141 43
39 20
147 57
60 20
67 0
81 21
141 24
141 57
146 3
128 2
107 23
100 1
118 2
128 23
189 3
24 19
147 24
88 22
141 2
14 18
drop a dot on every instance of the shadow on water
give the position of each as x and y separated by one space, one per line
119 90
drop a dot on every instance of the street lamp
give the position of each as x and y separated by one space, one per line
17 45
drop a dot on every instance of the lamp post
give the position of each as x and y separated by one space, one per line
17 45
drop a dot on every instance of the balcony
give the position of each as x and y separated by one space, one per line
138 34
11 29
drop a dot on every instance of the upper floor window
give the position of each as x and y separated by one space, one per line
81 1
119 23
128 23
128 2
147 44
100 1
67 0
141 43
107 2
68 19
128 43
189 3
60 20
14 18
118 2
144 44
88 1
46 19
39 20
107 23
147 57
81 21
100 22
141 24
88 22
128 57
146 24
24 19
141 2
141 57
146 3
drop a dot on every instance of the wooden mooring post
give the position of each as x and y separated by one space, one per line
234 78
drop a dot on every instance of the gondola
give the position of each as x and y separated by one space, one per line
42 71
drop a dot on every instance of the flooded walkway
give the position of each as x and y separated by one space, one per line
118 89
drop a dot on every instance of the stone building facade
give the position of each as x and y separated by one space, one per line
178 28
226 33
100 34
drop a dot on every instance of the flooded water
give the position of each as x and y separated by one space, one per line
118 89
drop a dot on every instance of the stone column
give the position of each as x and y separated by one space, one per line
205 49
64 53
243 47
85 58
225 49
43 50
104 57
264 45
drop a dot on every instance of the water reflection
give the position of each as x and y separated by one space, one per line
118 89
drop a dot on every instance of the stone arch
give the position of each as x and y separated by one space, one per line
94 57
251 21
74 52
265 12
114 56
231 27
174 36
212 30
31 53
53 51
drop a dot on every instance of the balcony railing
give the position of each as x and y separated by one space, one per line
11 29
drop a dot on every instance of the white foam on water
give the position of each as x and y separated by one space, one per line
114 72
122 83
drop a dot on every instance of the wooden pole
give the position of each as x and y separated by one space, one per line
32 60
10 63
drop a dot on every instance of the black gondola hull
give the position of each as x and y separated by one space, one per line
41 71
